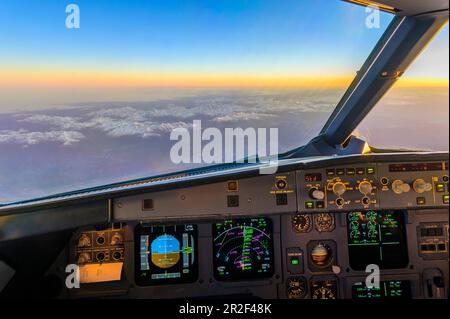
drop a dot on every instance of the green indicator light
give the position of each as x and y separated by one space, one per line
295 261
370 170
309 204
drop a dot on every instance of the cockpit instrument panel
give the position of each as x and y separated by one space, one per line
377 237
166 254
243 249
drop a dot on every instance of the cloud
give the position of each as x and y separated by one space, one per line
157 119
62 122
115 122
241 116
26 138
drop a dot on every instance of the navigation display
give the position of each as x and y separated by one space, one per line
166 254
392 289
243 249
377 237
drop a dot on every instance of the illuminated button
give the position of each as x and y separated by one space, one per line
232 186
331 172
309 204
440 188
350 171
445 199
370 170
320 204
421 201
295 261
340 171
360 171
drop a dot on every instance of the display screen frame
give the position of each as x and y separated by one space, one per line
234 276
144 277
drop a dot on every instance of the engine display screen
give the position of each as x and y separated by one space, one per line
243 249
392 289
377 237
166 254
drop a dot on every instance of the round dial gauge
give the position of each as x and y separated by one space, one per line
302 223
296 287
324 289
323 293
324 222
321 255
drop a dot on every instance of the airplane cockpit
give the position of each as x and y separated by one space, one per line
315 221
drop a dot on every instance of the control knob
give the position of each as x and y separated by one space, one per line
315 193
116 239
400 187
83 258
420 186
339 189
365 187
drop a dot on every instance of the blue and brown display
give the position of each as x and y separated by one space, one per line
377 237
243 249
166 254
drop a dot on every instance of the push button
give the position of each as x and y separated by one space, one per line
281 199
309 204
331 172
421 201
320 204
440 188
445 199
233 201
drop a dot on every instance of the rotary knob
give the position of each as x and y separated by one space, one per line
317 194
400 187
420 186
83 258
365 187
339 189
116 239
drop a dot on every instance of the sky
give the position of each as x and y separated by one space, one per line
124 48
101 99
130 45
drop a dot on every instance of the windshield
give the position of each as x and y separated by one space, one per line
90 94
414 113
